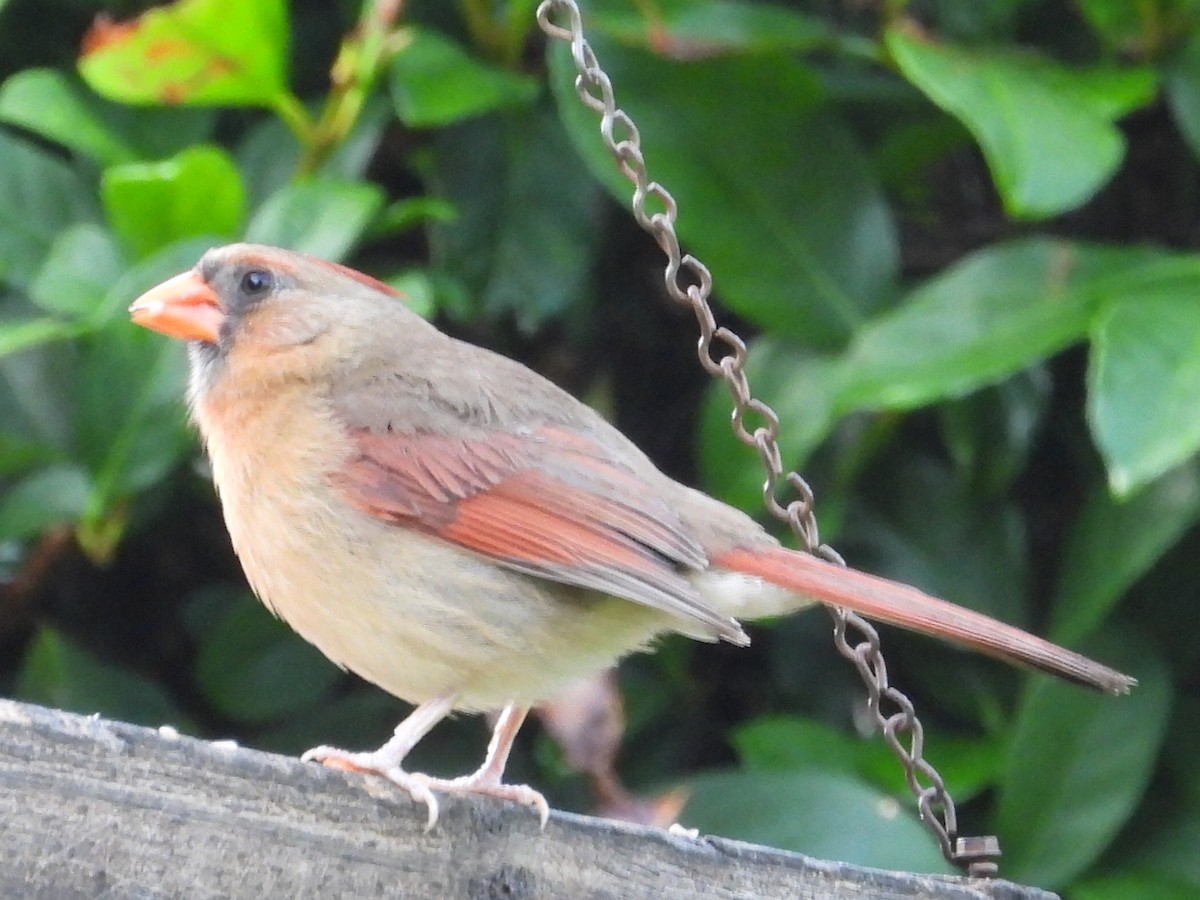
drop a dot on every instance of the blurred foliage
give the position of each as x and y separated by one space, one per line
962 237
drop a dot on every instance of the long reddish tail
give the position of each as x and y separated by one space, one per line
897 604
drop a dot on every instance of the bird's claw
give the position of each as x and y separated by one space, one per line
334 758
417 786
483 784
421 787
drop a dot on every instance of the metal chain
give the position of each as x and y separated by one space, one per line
723 354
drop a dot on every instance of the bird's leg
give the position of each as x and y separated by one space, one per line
503 735
387 760
486 779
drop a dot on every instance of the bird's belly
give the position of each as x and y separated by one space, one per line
420 617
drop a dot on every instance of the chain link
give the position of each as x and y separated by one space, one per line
723 354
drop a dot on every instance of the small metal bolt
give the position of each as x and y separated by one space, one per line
979 854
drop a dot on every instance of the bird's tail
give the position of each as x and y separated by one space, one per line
897 604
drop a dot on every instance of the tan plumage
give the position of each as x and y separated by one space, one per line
456 529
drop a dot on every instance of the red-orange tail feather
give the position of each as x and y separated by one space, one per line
897 604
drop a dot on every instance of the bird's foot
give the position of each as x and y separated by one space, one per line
488 785
421 787
370 764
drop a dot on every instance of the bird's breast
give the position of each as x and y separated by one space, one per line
414 614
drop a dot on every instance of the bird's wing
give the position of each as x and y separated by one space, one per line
551 502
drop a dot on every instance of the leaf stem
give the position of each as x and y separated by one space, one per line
289 108
362 55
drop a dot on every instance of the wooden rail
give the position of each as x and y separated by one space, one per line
96 809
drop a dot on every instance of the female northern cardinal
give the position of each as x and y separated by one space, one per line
459 531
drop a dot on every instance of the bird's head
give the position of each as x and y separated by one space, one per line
271 312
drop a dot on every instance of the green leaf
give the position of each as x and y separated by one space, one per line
843 818
1078 765
524 240
1167 609
1114 542
1127 27
774 193
48 103
47 497
910 150
435 82
152 205
1144 378
783 743
1169 828
990 434
131 425
690 30
321 217
418 291
253 668
39 198
204 52
1173 854
928 529
986 317
412 212
1047 131
37 389
1126 885
83 264
21 334
794 382
130 429
59 108
1182 89
19 453
57 672
267 157
968 765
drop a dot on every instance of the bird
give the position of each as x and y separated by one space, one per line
460 531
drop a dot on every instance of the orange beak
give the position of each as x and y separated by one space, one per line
183 307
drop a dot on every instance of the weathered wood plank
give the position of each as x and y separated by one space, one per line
97 809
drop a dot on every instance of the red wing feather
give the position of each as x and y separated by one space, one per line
551 504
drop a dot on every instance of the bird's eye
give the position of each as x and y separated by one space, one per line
257 281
